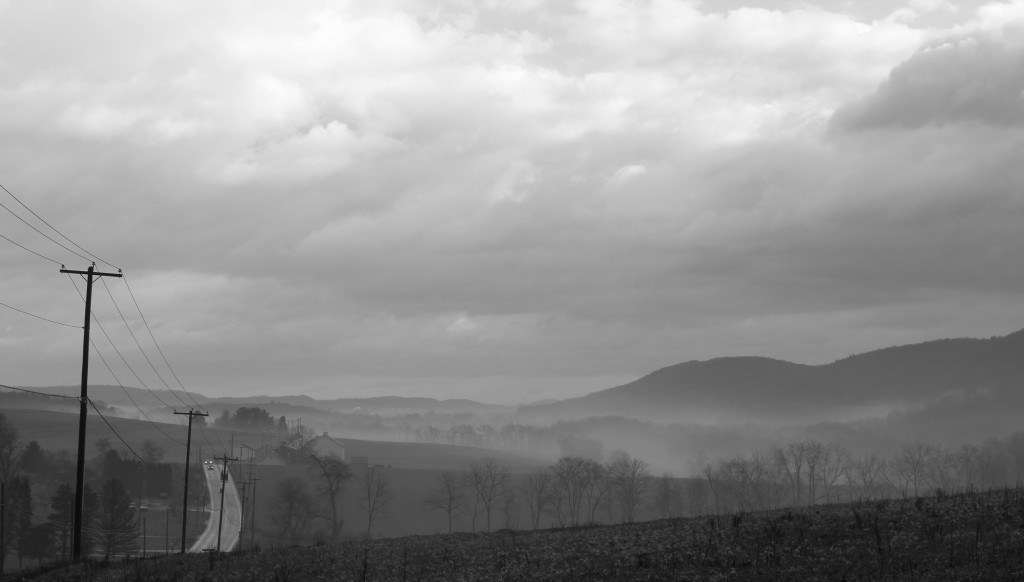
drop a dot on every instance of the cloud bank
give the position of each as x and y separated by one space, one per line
510 200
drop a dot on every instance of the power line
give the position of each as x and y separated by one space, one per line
103 330
118 352
48 237
40 316
41 219
143 317
54 261
38 393
125 390
154 368
202 429
130 449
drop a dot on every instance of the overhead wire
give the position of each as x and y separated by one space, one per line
134 300
158 349
54 229
39 316
123 359
132 333
130 368
101 260
37 392
202 431
126 393
48 237
180 420
118 435
17 244
216 434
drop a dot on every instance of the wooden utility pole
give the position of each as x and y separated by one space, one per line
89 273
188 450
223 483
252 522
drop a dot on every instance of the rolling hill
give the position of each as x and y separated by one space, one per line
984 372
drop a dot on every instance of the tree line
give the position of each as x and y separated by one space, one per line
574 491
810 472
40 498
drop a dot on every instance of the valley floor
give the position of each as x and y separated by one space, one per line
962 537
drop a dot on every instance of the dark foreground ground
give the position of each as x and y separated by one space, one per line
961 537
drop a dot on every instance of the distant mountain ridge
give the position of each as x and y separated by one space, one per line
750 389
130 396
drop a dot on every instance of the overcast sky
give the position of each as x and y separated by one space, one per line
506 200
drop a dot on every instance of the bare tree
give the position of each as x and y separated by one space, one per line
834 463
375 495
597 483
696 496
487 478
301 436
570 479
291 508
508 497
815 454
448 496
711 476
332 473
992 470
791 461
910 467
867 476
630 482
967 467
940 469
537 490
666 500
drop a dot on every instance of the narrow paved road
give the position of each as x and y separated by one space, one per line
232 512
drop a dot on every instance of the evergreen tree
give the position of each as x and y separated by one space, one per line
90 513
63 505
34 459
117 525
38 542
10 450
62 520
19 514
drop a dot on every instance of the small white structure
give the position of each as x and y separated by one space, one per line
326 445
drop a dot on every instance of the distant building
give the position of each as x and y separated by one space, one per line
325 445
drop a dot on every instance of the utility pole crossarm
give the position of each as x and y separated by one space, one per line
92 272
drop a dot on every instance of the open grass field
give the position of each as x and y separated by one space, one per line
57 431
407 514
968 537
